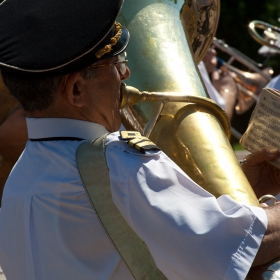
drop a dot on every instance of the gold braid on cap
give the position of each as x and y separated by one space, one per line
113 41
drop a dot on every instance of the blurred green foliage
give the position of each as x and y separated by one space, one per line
233 26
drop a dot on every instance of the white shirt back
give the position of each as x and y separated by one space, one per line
49 229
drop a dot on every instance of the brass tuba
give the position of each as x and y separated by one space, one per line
175 111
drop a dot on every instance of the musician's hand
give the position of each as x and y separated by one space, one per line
263 177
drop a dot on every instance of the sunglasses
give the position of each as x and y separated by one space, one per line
120 64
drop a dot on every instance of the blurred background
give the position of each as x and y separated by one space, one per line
235 17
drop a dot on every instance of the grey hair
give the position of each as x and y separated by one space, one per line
37 94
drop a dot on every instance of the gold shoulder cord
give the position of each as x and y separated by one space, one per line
137 141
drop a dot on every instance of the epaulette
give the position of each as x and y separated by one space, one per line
137 141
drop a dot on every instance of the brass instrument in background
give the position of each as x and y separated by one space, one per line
271 34
250 83
162 62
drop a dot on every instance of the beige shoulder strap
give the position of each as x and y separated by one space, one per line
95 176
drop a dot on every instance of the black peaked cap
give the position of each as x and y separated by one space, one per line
44 38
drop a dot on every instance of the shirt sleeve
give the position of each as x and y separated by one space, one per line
274 83
189 232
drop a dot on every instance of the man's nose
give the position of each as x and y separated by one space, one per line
126 75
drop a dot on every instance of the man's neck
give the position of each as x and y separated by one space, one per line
53 112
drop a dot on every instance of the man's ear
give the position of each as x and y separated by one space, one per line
72 90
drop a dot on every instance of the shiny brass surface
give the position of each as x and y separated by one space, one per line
267 197
131 96
200 21
270 39
161 60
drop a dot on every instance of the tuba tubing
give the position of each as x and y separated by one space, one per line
131 95
162 63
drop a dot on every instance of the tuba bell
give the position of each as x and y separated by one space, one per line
174 110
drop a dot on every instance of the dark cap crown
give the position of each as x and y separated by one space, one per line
55 37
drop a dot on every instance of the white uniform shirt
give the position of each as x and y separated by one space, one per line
213 93
49 230
274 83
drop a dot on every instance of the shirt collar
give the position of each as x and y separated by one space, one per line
62 127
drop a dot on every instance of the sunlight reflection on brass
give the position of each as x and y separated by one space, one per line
161 60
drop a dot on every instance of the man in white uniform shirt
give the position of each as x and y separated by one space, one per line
65 61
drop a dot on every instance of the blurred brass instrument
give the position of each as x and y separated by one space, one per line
172 105
249 83
271 34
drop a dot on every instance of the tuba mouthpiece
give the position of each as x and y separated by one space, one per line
129 95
